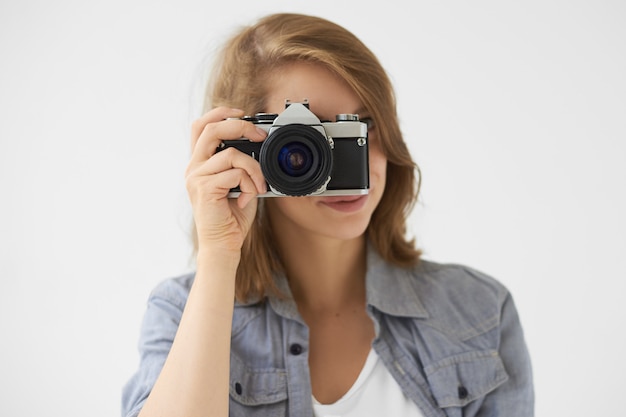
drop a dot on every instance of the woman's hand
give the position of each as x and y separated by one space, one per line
221 222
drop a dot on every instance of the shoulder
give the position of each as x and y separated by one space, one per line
454 280
460 300
174 291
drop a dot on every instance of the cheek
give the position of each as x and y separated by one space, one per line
283 209
378 166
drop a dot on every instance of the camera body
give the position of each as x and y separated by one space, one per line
303 156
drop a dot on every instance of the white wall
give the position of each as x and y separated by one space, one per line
515 111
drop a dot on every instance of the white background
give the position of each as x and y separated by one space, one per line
515 111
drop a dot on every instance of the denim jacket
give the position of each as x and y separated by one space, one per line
449 335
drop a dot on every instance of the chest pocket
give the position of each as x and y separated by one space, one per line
257 392
458 380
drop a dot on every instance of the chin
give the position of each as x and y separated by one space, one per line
344 229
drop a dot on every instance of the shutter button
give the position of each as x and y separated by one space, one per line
463 392
295 349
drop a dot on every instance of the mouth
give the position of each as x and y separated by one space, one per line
346 203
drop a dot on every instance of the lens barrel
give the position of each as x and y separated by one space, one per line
296 160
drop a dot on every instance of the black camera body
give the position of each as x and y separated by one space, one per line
303 156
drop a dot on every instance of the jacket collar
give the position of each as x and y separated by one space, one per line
388 289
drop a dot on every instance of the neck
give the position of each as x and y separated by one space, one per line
325 274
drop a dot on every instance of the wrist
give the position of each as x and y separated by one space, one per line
217 257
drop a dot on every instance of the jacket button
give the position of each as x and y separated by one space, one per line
463 392
238 388
295 349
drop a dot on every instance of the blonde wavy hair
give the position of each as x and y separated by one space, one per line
249 58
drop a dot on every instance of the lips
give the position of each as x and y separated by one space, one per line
347 203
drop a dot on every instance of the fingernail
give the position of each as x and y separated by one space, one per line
261 132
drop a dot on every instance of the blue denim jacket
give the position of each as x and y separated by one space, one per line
448 334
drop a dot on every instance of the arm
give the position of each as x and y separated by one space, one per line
194 378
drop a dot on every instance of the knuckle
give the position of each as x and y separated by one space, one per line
208 129
237 128
197 124
244 124
230 153
190 180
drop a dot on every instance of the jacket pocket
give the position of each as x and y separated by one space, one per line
257 390
458 380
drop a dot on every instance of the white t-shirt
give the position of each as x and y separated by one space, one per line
374 393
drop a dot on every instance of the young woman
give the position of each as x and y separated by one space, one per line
318 305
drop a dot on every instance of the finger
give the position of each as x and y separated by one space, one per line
214 133
220 185
215 115
237 178
229 159
248 190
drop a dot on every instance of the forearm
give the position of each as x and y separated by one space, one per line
194 380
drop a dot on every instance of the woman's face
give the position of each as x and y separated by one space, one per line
344 217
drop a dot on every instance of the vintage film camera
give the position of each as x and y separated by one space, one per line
303 156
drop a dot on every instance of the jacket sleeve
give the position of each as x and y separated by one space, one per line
158 328
515 397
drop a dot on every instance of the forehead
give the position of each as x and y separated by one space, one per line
328 94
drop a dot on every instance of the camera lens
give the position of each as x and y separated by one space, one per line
296 160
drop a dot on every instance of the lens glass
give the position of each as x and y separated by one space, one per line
295 159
